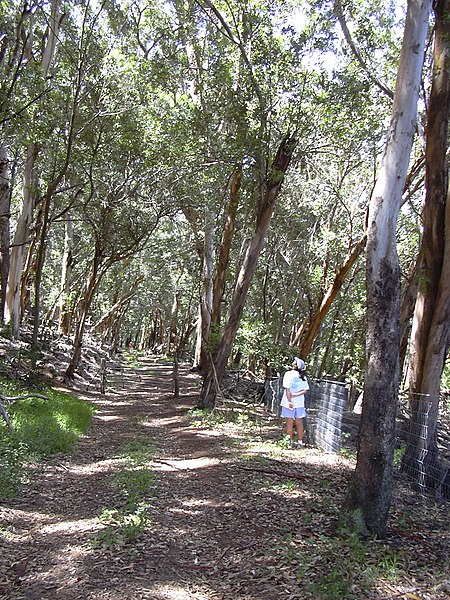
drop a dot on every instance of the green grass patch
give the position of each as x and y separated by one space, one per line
41 427
52 425
242 418
6 533
135 485
284 443
121 526
258 459
138 451
136 482
14 455
341 569
133 357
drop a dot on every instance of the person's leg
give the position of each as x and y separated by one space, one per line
290 428
300 430
289 416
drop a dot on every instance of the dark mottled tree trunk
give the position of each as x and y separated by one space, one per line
5 202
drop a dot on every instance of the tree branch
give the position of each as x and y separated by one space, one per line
347 35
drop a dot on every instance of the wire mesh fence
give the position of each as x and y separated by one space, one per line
423 430
423 442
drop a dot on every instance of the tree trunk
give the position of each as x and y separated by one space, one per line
273 185
107 319
173 325
431 324
5 209
12 302
225 245
407 307
51 37
205 306
42 246
66 272
12 310
91 285
317 320
368 502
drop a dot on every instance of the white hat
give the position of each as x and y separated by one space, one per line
300 364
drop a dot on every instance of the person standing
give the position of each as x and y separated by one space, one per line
295 386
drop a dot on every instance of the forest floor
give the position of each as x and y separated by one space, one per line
230 514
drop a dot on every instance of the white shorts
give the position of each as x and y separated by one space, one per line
294 413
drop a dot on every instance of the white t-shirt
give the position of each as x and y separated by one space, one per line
296 384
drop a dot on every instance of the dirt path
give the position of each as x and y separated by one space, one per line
224 524
207 521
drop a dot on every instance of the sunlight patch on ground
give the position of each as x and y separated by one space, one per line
109 418
314 456
201 503
21 518
185 511
160 422
187 465
175 592
27 524
310 455
97 467
209 433
111 403
80 525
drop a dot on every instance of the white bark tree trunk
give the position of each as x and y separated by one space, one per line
12 301
21 235
370 492
51 37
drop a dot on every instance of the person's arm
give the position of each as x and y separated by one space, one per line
289 396
303 391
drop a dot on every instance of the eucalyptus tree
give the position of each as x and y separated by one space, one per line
371 489
14 20
114 298
311 253
351 109
318 232
82 80
263 73
89 130
215 59
430 337
69 80
27 55
180 69
124 198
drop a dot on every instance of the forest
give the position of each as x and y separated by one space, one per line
234 183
